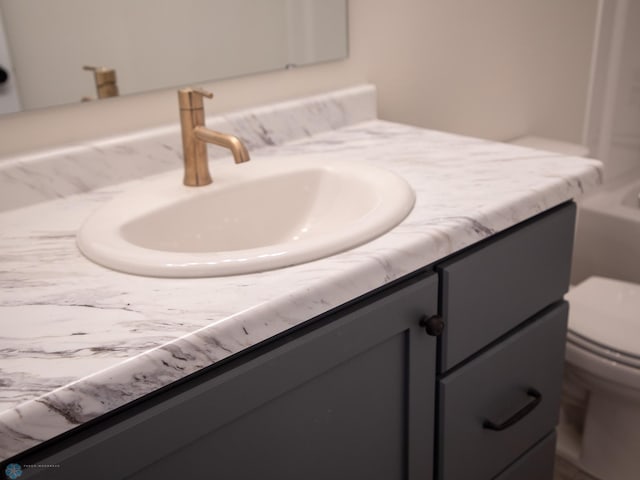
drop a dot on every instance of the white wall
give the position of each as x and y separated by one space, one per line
490 68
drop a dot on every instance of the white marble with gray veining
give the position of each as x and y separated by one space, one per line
78 340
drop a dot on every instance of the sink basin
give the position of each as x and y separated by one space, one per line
255 216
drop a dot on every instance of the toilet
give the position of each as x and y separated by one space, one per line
599 430
600 420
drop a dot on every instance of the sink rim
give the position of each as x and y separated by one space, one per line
100 238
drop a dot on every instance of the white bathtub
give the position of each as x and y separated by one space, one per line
608 232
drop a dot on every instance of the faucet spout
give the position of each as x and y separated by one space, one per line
233 143
195 137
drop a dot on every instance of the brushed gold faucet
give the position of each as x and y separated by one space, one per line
195 137
106 83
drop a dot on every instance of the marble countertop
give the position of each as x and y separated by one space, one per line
78 340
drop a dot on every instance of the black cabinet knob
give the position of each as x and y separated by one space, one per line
4 75
434 325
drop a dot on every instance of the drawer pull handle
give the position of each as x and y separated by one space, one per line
535 399
434 325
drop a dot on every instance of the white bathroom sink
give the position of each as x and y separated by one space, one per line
255 216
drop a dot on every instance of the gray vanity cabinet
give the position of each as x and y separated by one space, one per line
501 354
366 391
349 396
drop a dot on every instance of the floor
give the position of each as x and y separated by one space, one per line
566 471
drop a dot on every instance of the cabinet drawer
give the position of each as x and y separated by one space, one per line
489 290
536 464
495 387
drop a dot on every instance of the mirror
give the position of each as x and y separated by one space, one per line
154 44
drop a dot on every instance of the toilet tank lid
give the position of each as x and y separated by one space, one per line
551 145
607 311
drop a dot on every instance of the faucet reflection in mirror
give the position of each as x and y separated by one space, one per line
195 137
106 83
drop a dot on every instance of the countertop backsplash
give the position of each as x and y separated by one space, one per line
79 168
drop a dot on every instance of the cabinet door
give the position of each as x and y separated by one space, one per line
349 397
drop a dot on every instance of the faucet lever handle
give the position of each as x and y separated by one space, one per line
191 98
203 92
89 68
102 74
